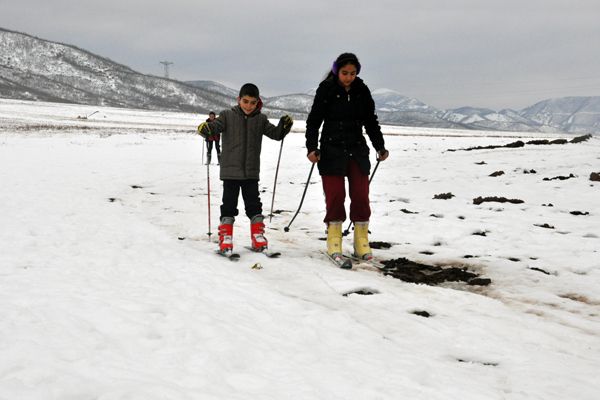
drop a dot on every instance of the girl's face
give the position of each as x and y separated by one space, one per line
346 75
248 104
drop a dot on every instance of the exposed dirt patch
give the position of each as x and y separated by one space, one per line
380 245
580 299
484 363
480 200
579 213
405 211
443 196
516 144
580 139
410 271
560 178
520 143
422 313
540 270
361 291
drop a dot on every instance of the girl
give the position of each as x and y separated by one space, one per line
344 105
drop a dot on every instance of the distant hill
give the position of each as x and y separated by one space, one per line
36 69
569 114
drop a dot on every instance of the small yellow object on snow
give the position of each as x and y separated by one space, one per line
256 266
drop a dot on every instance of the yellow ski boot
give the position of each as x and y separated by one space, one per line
362 249
334 238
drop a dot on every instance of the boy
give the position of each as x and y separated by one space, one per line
242 128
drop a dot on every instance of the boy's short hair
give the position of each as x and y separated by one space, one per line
249 89
212 113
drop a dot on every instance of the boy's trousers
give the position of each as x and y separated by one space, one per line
231 193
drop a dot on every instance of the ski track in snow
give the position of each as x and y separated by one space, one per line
109 287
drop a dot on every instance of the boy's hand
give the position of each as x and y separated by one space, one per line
204 129
286 123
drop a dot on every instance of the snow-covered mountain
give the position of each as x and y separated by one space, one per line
487 119
394 108
569 114
299 102
388 100
216 88
37 69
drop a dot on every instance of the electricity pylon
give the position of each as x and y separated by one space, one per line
166 64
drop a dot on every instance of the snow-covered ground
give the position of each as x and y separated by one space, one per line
109 288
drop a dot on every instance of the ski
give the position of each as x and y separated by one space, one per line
228 254
266 252
340 260
371 261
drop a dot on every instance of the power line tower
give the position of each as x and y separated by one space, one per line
166 64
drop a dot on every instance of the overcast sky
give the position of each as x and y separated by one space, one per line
446 53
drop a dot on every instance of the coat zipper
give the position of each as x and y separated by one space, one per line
245 145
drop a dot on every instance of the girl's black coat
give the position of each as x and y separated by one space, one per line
343 115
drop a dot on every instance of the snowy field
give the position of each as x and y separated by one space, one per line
109 288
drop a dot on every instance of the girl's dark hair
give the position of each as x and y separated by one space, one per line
343 60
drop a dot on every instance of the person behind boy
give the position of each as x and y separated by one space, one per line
213 139
242 128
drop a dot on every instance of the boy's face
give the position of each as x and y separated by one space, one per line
248 104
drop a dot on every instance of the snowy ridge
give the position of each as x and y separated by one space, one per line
36 69
570 114
506 120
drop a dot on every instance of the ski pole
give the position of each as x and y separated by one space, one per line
347 231
208 196
204 140
275 183
287 228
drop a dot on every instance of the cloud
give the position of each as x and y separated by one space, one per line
448 54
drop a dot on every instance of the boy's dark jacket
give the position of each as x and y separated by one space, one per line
343 115
241 141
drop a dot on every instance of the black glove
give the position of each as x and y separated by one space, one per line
286 123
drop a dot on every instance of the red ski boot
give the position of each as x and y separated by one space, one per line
226 235
257 233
